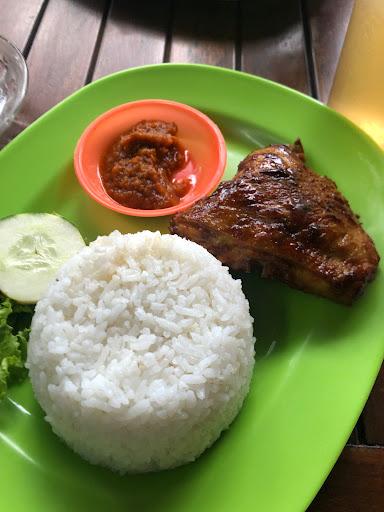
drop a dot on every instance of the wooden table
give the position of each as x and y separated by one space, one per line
68 43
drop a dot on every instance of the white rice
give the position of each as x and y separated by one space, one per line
141 351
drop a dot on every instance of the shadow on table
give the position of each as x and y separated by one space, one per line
261 19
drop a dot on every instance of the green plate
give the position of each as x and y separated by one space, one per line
316 361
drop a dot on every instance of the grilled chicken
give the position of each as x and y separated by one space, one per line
280 216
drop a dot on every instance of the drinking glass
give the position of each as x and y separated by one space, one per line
358 88
13 82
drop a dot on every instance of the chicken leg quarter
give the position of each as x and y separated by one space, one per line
280 216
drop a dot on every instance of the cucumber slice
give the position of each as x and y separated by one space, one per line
33 246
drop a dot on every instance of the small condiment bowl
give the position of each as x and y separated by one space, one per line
197 133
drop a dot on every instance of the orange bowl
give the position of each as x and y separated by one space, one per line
196 132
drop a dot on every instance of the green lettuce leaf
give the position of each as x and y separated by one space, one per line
15 320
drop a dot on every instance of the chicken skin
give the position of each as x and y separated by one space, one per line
280 216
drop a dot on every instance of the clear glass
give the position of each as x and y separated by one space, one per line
13 82
358 88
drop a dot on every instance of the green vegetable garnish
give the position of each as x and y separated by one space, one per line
15 320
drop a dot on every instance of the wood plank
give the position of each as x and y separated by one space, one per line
373 415
135 34
204 32
356 483
60 54
328 22
17 19
273 45
354 437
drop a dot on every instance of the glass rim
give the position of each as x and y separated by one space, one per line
16 101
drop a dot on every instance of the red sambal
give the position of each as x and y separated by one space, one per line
138 169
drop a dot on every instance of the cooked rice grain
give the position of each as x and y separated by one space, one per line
141 352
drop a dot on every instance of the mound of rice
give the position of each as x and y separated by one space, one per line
141 351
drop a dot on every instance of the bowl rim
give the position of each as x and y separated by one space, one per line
19 98
136 212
